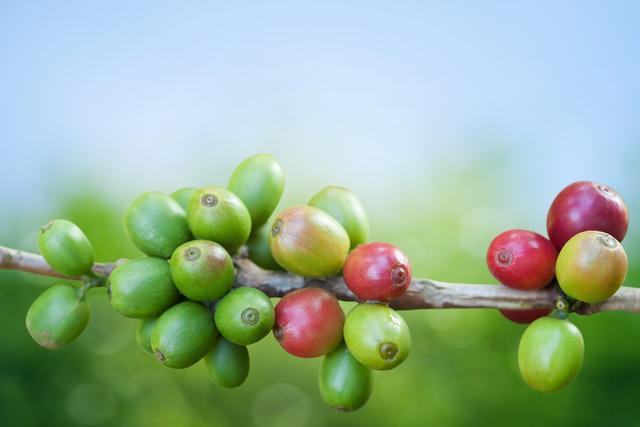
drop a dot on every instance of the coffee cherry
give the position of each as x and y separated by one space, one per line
57 317
377 272
525 316
345 384
259 182
377 336
550 354
259 249
345 207
227 363
202 270
522 259
244 316
591 266
308 241
65 248
584 206
308 322
183 334
156 224
183 196
217 214
143 333
142 288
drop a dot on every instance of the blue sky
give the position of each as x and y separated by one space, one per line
141 95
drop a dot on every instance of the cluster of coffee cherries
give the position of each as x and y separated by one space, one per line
183 291
582 257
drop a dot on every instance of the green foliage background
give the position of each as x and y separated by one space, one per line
462 370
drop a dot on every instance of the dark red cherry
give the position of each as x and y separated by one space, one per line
525 316
309 322
585 206
377 272
522 259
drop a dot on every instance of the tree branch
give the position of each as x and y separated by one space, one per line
422 293
14 259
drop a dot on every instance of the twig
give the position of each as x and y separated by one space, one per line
422 293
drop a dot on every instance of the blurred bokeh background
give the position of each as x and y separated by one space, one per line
452 121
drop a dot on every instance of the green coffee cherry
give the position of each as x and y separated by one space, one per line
345 384
227 363
308 241
57 317
245 316
377 336
183 334
345 207
550 354
143 333
259 182
202 270
66 248
156 224
183 196
217 214
142 288
259 249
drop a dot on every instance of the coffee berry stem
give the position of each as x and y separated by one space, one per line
91 281
421 294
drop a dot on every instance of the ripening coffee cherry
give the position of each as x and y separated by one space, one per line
259 249
345 207
227 363
377 336
525 316
591 266
66 248
244 316
183 334
202 270
183 196
259 182
345 383
522 259
143 333
584 206
308 322
142 288
377 272
550 354
57 317
308 241
156 224
217 214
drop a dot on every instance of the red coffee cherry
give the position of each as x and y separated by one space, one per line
377 272
584 206
522 259
309 322
525 316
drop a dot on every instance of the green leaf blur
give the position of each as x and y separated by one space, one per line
462 369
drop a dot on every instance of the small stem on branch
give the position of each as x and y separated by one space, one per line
422 293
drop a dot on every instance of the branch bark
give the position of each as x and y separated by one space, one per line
422 293
14 259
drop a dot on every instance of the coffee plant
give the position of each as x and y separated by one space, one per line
213 261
